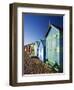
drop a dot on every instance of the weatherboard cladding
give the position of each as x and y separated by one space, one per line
40 46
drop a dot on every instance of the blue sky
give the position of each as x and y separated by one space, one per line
36 26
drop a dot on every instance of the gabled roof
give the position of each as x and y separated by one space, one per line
48 31
49 28
43 42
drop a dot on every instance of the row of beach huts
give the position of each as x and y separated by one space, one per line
50 48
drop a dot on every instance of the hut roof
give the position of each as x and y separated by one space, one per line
51 26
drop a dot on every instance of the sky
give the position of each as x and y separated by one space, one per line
36 26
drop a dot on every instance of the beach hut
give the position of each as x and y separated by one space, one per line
53 45
36 45
41 50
